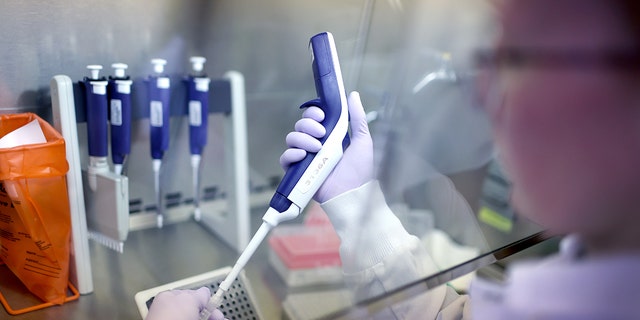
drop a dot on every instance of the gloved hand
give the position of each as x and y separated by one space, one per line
356 166
181 305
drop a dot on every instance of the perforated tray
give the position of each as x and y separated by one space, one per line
237 304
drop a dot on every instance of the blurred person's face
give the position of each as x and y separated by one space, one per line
569 135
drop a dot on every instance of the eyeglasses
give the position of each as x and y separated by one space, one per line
513 58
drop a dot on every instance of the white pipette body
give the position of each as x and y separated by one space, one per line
216 299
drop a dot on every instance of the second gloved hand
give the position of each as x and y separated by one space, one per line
356 166
181 305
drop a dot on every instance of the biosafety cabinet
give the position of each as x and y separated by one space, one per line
169 212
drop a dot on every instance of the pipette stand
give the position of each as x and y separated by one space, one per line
64 120
231 222
227 216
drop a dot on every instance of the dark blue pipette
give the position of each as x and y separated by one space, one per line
159 98
198 104
120 115
97 132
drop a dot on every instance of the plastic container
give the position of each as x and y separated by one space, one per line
306 254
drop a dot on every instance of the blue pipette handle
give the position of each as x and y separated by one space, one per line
120 118
332 100
159 98
97 132
198 104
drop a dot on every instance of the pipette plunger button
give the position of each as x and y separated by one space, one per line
197 63
95 70
158 65
119 69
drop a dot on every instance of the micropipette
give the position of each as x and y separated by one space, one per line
198 103
159 98
97 137
304 178
120 115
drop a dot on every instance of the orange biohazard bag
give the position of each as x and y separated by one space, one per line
35 221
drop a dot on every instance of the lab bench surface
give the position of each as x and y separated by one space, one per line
153 257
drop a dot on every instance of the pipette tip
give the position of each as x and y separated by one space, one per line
197 214
159 220
157 163
195 165
214 303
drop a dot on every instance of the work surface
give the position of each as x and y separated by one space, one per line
154 257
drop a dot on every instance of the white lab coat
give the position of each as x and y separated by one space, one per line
378 255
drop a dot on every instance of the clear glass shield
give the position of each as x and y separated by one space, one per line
439 208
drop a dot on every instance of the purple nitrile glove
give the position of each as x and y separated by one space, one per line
356 166
181 305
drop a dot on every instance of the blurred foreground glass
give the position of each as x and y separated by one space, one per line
438 171
437 168
434 153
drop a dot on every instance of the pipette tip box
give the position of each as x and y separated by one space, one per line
238 302
306 254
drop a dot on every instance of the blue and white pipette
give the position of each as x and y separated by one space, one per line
159 98
120 115
304 178
97 132
198 103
